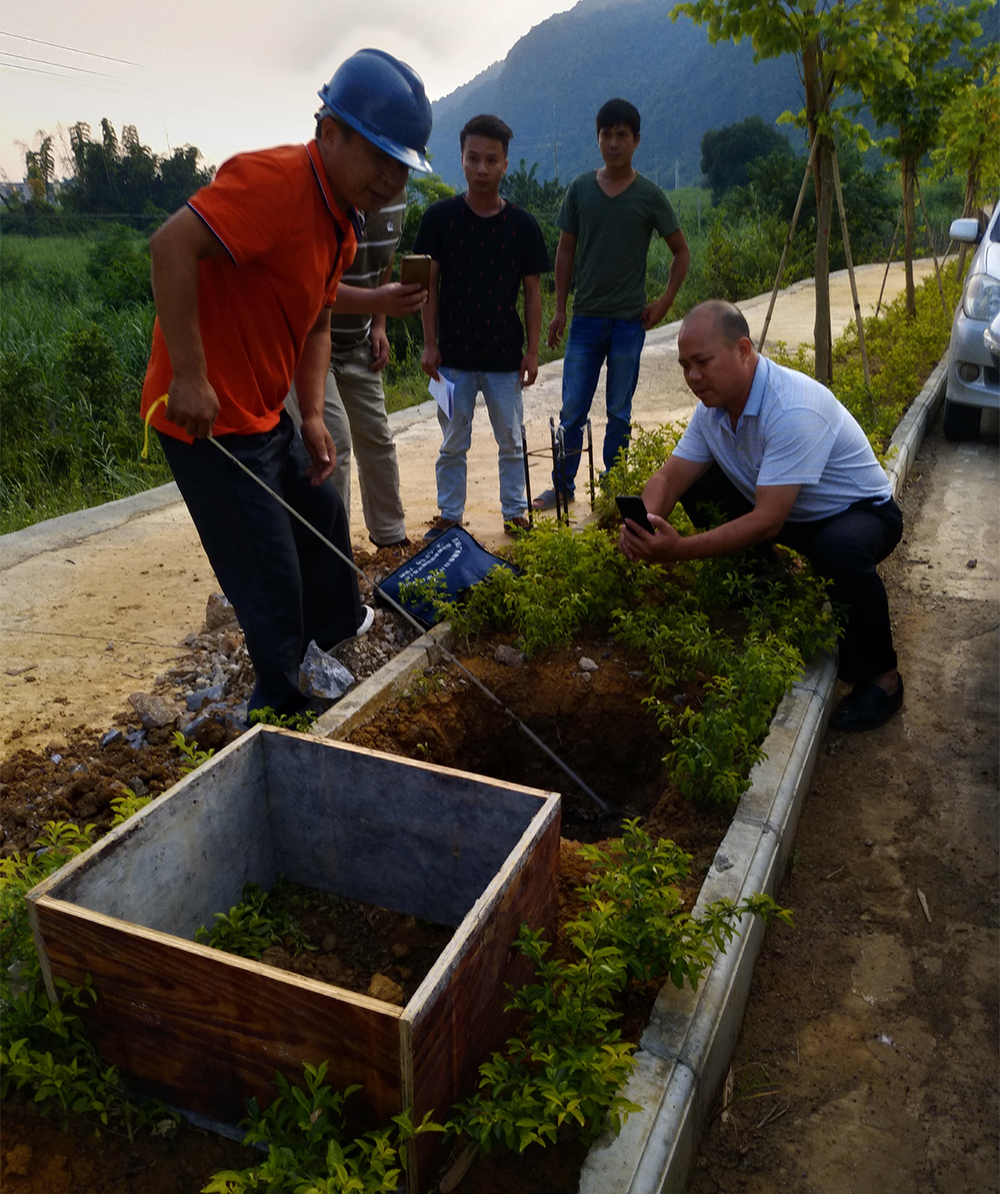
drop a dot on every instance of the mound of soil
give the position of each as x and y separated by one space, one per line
76 779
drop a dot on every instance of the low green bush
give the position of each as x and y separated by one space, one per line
311 1149
44 1047
564 1072
710 623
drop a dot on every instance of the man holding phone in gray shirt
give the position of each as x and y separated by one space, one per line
785 462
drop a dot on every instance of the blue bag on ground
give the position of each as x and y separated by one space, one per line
457 557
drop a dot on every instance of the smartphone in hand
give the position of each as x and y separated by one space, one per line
415 267
634 508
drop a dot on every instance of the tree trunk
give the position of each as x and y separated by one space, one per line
968 209
909 166
823 176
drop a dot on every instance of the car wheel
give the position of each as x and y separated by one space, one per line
960 421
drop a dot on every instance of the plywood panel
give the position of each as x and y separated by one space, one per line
422 840
187 855
207 1029
463 1021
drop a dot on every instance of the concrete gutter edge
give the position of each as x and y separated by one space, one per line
55 534
363 703
687 1047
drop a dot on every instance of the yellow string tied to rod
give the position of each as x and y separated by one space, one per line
144 454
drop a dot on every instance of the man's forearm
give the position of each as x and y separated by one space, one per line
725 539
428 318
772 506
310 373
533 312
174 275
675 276
379 317
564 272
670 482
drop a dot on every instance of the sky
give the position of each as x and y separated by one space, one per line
220 75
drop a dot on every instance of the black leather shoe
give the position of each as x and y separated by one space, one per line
866 708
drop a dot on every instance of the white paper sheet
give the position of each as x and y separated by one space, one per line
443 393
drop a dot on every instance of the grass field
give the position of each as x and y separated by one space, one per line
77 320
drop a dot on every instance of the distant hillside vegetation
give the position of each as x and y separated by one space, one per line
552 82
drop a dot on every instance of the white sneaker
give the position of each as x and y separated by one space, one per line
367 617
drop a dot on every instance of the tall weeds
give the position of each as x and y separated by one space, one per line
77 322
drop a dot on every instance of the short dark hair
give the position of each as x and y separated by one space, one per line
326 114
486 126
618 111
729 320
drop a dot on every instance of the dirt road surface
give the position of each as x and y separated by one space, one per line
87 618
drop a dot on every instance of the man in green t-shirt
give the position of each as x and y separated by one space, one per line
607 220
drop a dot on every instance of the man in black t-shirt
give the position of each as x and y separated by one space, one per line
483 249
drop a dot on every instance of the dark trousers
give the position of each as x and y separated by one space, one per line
285 585
844 549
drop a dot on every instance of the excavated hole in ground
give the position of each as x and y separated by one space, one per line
595 721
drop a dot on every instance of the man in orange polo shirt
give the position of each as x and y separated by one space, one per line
243 278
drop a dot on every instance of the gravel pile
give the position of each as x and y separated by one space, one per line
205 694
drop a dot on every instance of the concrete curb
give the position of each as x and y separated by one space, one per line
363 703
909 435
685 1050
54 534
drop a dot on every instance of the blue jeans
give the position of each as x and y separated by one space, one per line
502 392
592 340
845 550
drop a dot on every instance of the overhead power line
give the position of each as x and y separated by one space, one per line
35 70
71 49
62 65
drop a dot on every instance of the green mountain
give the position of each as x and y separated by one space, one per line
554 79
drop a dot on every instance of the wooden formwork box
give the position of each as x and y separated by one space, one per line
204 1029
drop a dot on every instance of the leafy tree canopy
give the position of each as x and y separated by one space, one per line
970 134
542 199
726 152
839 46
912 108
421 191
118 175
941 52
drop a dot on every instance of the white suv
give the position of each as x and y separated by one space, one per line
973 378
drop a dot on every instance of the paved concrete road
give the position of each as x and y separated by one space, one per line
868 1058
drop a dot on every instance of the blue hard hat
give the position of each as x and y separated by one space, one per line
384 100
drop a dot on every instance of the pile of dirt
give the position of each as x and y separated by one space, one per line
75 779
